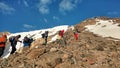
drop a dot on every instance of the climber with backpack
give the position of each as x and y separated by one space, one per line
76 35
45 36
27 41
3 41
61 33
13 40
76 31
61 40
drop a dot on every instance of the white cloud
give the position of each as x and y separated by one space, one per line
68 5
43 6
44 9
45 20
5 9
25 3
45 2
65 5
28 26
56 18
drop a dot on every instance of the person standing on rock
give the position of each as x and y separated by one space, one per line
76 35
61 37
13 40
3 41
45 36
61 33
27 41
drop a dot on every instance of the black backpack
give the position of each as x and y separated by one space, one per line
46 33
43 35
11 39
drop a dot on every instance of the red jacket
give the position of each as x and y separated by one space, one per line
76 36
61 33
3 40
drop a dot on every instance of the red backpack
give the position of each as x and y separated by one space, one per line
3 40
76 36
61 33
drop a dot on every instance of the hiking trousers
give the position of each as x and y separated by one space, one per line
13 48
1 51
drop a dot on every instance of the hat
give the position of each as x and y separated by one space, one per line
18 36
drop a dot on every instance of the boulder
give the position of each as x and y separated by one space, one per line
53 49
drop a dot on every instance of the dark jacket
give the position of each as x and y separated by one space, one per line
14 40
45 35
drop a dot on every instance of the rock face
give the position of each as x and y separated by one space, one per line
35 53
89 51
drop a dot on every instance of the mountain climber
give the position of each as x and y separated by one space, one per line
27 41
3 41
13 40
45 36
61 39
76 35
61 32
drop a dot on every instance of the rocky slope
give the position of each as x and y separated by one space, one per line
89 51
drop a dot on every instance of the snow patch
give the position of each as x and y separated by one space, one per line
105 28
35 35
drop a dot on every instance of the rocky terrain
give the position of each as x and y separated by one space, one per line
89 51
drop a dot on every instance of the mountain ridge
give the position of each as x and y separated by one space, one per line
90 50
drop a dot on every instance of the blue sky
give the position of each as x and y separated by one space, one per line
26 15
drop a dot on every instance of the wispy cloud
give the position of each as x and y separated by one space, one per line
5 9
56 18
64 5
27 26
43 9
45 20
25 3
113 13
43 6
68 5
